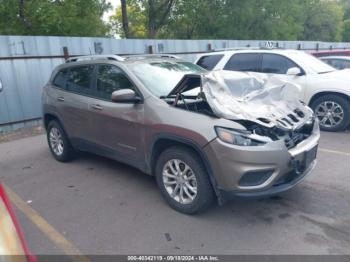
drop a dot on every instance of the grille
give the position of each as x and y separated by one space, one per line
293 139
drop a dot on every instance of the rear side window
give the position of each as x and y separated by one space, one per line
79 80
276 64
339 64
244 62
109 79
209 61
60 79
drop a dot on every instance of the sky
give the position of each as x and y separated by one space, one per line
115 4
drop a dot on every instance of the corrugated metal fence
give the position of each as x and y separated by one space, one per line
26 63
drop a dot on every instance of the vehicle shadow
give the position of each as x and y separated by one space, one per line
260 209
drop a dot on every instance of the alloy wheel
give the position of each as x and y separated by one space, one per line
180 181
56 141
329 113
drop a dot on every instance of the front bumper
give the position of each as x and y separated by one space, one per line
273 167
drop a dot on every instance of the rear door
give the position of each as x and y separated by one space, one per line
117 128
72 98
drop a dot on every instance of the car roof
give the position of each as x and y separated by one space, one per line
132 59
333 51
336 57
237 51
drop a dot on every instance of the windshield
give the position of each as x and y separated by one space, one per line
160 77
312 63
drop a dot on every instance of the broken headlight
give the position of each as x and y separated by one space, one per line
239 138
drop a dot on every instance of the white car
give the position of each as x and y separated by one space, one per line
325 89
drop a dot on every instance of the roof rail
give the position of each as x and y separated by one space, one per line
151 55
233 48
95 57
246 48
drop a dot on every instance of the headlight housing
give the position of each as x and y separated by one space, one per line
239 138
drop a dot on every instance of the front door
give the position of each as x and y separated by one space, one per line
277 65
117 128
267 63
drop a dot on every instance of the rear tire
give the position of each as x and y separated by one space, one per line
195 193
59 143
333 112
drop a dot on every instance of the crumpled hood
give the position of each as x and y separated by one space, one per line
246 96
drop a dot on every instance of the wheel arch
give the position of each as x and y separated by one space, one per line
323 93
162 142
48 117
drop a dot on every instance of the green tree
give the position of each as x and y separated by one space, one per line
53 17
145 18
195 19
324 21
136 21
236 19
346 31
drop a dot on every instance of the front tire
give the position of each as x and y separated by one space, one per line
333 112
58 141
183 180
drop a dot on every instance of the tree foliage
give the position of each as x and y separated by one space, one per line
322 20
346 31
237 19
144 18
136 20
53 17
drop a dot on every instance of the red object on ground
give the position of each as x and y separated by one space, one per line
6 201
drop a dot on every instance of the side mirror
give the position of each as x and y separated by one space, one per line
1 86
125 96
294 71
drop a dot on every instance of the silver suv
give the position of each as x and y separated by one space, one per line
204 135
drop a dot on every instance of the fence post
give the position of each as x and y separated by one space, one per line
65 53
209 47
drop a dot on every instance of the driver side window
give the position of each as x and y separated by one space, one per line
276 64
109 79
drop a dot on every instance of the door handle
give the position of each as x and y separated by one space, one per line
97 107
60 98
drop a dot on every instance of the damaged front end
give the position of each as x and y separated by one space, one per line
266 107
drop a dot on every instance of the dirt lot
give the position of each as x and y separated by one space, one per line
97 206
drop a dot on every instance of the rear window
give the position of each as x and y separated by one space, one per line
338 63
60 79
244 62
79 80
209 61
